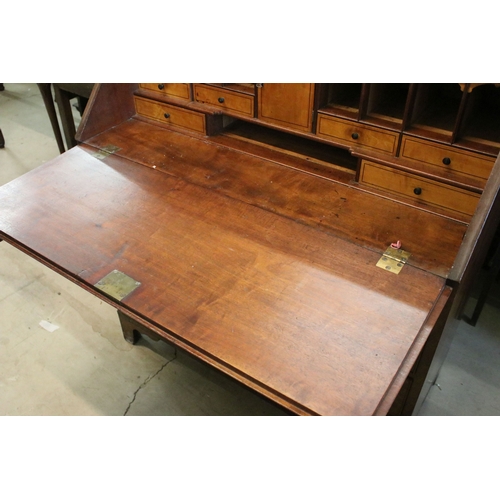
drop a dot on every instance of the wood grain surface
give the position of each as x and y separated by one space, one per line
344 210
291 309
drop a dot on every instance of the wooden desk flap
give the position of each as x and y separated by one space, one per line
297 313
340 209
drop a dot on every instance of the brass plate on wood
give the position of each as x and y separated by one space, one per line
106 151
117 284
393 260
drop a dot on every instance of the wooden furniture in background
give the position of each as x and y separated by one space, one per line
63 93
48 100
2 139
486 279
248 225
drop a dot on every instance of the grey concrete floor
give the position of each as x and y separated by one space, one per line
84 366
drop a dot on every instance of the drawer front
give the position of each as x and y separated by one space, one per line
224 99
355 134
447 158
179 90
172 115
417 188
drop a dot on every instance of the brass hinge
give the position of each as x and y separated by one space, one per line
117 284
393 259
106 151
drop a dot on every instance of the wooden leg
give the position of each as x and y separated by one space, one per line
129 328
51 111
82 104
485 288
67 120
133 330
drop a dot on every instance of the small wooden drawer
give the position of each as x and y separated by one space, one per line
419 189
172 115
227 100
447 158
179 90
351 133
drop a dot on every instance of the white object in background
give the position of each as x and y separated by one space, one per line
48 326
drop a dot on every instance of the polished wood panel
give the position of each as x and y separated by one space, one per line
171 115
351 133
116 100
419 189
252 291
341 209
289 105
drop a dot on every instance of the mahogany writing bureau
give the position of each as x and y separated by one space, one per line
312 241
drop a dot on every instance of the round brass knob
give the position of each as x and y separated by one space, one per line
167 115
161 86
221 99
355 135
446 161
417 190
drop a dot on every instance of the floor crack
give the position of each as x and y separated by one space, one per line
151 377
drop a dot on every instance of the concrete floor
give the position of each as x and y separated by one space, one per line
84 366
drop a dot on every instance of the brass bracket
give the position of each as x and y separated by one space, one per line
106 151
393 259
117 284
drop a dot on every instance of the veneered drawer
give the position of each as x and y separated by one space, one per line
179 90
448 159
418 188
172 115
224 99
355 134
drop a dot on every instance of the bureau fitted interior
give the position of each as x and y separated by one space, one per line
431 145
